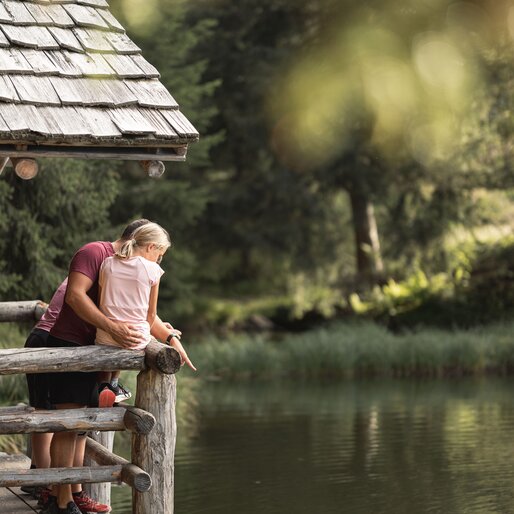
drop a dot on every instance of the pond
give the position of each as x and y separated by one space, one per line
378 447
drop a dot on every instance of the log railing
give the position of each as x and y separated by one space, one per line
152 421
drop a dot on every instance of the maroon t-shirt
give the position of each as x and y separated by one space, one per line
87 261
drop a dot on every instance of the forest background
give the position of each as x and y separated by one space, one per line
356 160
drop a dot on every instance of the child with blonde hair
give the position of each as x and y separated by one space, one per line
128 292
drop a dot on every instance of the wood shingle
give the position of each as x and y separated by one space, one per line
70 75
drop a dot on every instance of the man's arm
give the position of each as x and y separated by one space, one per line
77 298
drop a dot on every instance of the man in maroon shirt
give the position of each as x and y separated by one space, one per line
76 326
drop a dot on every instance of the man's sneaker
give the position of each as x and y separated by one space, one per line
50 507
71 508
122 394
87 504
106 395
43 497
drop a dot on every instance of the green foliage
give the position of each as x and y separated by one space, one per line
353 350
45 220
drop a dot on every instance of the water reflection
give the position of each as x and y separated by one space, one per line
373 447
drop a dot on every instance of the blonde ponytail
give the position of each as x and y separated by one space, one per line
142 236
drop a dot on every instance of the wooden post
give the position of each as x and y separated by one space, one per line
100 492
154 169
155 452
22 311
25 168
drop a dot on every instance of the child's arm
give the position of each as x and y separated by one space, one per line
152 304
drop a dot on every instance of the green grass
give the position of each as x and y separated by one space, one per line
356 350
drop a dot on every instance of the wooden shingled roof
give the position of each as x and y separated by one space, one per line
73 83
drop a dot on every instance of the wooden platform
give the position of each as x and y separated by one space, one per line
12 500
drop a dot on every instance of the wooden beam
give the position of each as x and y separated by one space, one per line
25 168
53 360
100 492
131 474
22 311
122 153
3 164
43 477
163 358
76 420
19 409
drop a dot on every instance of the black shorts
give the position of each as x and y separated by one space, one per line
38 382
71 387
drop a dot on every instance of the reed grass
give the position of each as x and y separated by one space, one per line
359 350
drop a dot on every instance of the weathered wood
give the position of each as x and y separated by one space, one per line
22 311
66 39
138 420
91 152
124 66
100 492
19 409
161 357
156 393
36 90
92 40
85 16
17 461
86 358
153 169
43 477
32 36
151 93
131 474
3 163
74 420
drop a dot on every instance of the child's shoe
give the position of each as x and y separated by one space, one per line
122 394
87 504
106 396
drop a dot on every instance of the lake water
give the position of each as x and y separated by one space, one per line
379 447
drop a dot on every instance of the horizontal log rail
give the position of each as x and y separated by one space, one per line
22 311
43 477
77 420
131 474
157 356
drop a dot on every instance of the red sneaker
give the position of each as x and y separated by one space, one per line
87 504
107 396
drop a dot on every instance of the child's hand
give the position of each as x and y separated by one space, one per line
182 352
170 327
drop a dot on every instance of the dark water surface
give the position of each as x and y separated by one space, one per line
402 447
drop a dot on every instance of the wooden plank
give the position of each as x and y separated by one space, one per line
66 39
4 14
179 122
94 3
36 90
122 43
118 91
85 16
13 61
4 42
151 93
39 14
7 90
130 121
150 71
85 92
93 40
124 66
72 420
34 118
12 118
53 128
39 62
32 36
14 461
155 118
42 477
93 65
59 16
14 501
99 122
66 67
18 12
111 20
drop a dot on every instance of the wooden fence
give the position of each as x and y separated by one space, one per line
151 421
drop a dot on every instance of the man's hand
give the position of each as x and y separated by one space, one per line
125 334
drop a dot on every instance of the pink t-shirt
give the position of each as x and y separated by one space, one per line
125 294
47 321
87 261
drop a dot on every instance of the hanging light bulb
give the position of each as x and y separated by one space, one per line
154 169
25 168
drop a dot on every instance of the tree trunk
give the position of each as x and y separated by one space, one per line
367 243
